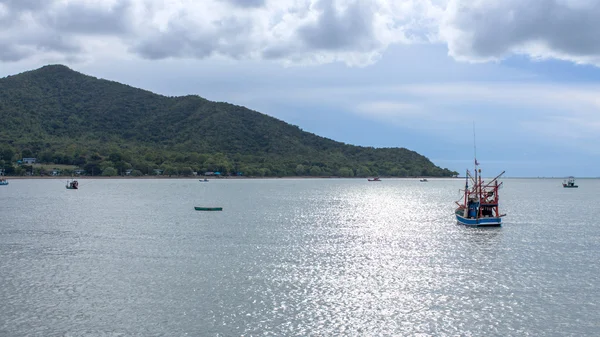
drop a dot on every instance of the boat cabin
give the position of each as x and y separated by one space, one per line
72 185
569 183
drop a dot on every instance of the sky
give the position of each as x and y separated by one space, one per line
514 82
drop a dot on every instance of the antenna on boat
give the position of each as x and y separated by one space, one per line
475 147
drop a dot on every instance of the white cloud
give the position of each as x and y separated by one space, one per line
388 109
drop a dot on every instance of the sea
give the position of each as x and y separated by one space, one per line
295 257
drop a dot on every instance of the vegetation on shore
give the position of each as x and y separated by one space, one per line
63 117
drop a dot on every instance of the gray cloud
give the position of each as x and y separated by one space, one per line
23 5
14 9
175 43
351 29
54 42
9 53
568 29
227 36
37 26
83 18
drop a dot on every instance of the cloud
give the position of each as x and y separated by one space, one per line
348 29
89 18
388 110
57 28
247 3
487 30
355 32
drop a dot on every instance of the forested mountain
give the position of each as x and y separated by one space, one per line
60 116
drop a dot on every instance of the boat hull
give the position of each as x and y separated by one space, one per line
481 222
208 208
3 183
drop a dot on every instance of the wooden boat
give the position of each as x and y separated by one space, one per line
479 206
72 185
374 179
570 183
208 208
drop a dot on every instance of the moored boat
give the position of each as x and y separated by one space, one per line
423 180
479 206
208 208
374 179
570 183
72 185
3 181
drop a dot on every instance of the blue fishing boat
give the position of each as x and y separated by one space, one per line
479 206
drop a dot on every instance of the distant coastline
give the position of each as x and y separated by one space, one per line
209 178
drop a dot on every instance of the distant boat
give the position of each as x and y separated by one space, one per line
208 208
3 180
374 179
424 180
569 183
72 185
204 180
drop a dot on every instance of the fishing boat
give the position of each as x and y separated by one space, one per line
570 183
208 208
479 205
374 179
72 185
424 180
203 180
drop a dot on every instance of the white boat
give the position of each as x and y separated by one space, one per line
570 183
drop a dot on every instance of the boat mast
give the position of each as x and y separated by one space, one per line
466 188
477 174
496 198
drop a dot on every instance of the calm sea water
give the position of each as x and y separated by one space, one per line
289 257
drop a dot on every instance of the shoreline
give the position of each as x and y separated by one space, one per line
208 178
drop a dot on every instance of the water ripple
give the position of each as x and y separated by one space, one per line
295 257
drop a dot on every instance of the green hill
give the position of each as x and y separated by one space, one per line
60 116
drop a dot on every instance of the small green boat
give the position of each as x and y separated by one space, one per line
208 208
